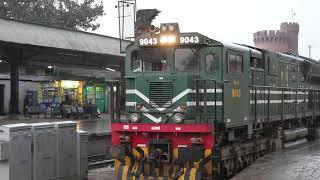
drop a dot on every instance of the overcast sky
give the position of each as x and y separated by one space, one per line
229 20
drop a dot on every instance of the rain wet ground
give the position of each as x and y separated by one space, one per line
97 126
301 163
101 174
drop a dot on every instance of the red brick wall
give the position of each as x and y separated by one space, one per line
284 40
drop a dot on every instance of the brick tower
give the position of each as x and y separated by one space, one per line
284 40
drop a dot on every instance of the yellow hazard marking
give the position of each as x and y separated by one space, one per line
128 172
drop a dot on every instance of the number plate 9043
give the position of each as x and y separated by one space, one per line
182 40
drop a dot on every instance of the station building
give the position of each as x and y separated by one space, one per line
47 85
41 64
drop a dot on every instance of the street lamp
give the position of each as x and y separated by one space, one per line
122 6
309 47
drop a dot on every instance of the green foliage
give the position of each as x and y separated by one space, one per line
74 14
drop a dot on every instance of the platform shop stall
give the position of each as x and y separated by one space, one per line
97 93
74 89
54 93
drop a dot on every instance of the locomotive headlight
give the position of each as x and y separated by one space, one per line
124 138
178 118
139 106
183 106
168 39
199 140
164 28
134 117
164 39
172 39
193 140
171 28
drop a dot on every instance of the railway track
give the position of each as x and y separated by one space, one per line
98 146
99 161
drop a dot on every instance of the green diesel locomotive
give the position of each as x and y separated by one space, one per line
197 108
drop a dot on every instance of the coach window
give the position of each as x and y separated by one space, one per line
211 63
235 63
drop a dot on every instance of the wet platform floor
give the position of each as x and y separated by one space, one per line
301 163
99 126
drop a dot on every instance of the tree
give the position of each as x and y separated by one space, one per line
74 14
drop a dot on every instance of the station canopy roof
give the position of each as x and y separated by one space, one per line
46 45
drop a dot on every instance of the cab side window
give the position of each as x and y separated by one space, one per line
211 63
235 63
256 63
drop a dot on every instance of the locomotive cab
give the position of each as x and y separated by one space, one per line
170 74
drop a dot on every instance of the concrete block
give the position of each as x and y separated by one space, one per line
19 164
4 150
44 151
66 136
82 155
317 133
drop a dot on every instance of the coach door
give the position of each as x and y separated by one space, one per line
236 94
211 68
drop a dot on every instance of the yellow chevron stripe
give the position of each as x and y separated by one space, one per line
125 172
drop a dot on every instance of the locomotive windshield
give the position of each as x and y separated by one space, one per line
186 59
153 59
156 60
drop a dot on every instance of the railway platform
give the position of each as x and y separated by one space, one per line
300 163
99 126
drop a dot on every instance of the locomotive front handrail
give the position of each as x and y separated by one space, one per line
280 87
116 96
205 98
214 80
